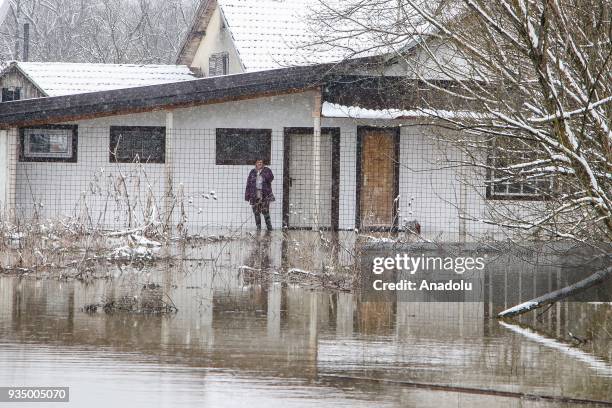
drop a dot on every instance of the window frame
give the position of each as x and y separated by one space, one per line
224 59
492 194
223 133
13 90
113 139
45 159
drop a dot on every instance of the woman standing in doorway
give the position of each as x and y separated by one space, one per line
259 193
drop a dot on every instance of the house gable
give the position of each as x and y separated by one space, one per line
14 77
196 32
216 39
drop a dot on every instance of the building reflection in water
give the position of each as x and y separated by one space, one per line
228 319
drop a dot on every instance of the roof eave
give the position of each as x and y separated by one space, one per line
164 96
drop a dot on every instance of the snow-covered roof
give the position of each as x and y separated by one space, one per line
200 91
60 78
271 34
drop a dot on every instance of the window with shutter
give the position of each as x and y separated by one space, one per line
218 64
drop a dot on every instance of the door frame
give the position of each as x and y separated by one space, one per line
395 132
335 193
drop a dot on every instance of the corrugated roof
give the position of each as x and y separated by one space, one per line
60 78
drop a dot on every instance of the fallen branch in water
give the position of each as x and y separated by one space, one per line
595 279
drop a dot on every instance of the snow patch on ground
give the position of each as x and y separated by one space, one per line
138 247
380 239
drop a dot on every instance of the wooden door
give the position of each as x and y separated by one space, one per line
378 178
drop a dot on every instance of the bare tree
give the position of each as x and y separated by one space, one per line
103 31
530 82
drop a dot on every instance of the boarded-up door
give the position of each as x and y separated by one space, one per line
378 178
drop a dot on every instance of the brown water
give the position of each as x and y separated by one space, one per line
236 342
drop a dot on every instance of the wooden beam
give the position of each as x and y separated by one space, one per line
169 173
316 160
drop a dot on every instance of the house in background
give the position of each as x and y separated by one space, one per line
27 80
237 36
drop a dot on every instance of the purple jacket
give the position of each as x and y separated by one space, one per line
250 193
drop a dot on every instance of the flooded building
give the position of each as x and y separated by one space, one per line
353 145
186 148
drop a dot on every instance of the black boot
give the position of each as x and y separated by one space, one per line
268 222
258 221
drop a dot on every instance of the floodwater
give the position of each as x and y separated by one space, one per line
236 341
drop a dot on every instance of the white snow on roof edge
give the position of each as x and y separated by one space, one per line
333 110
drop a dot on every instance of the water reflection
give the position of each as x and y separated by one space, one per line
236 339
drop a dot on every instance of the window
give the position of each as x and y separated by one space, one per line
144 144
218 64
11 94
504 183
243 146
49 143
